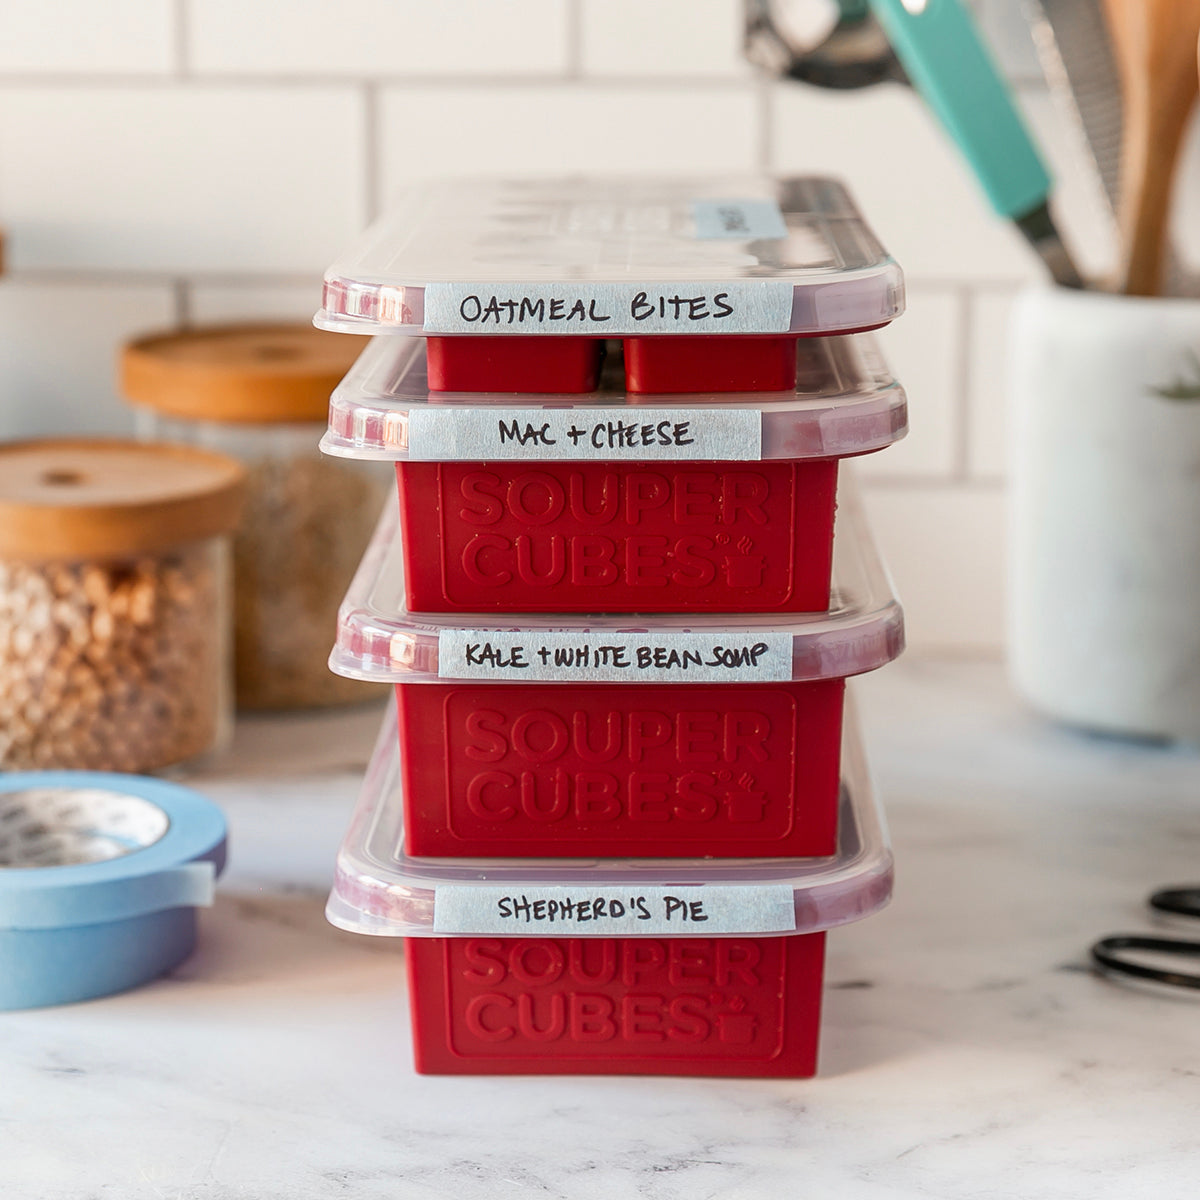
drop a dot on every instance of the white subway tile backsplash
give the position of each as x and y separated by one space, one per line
214 302
58 36
924 349
945 549
554 130
181 177
987 396
239 146
58 353
379 37
910 181
665 38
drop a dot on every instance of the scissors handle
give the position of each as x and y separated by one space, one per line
1109 953
1181 901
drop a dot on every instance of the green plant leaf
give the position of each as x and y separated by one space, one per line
1180 388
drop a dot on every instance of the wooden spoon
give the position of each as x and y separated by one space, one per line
1155 46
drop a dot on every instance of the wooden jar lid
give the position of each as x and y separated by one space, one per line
96 499
249 372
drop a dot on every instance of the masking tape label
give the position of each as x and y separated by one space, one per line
615 656
613 911
483 434
609 309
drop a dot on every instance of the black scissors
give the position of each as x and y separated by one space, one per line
1110 953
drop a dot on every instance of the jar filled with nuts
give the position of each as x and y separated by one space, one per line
261 392
114 613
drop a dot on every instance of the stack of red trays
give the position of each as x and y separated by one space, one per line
605 602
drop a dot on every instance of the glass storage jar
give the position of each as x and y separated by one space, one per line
114 613
260 392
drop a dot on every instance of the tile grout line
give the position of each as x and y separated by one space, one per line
885 482
372 153
165 278
181 289
964 375
765 109
183 65
574 32
547 80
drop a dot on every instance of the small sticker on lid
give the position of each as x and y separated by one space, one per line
738 220
604 656
580 434
613 911
609 309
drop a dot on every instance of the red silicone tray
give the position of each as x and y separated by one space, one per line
537 736
652 365
566 1006
693 504
666 365
612 537
687 967
728 770
514 364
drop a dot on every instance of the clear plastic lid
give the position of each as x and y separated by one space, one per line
614 257
378 889
845 402
379 639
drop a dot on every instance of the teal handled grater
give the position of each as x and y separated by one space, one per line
940 49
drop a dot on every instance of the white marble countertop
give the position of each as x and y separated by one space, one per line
968 1053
